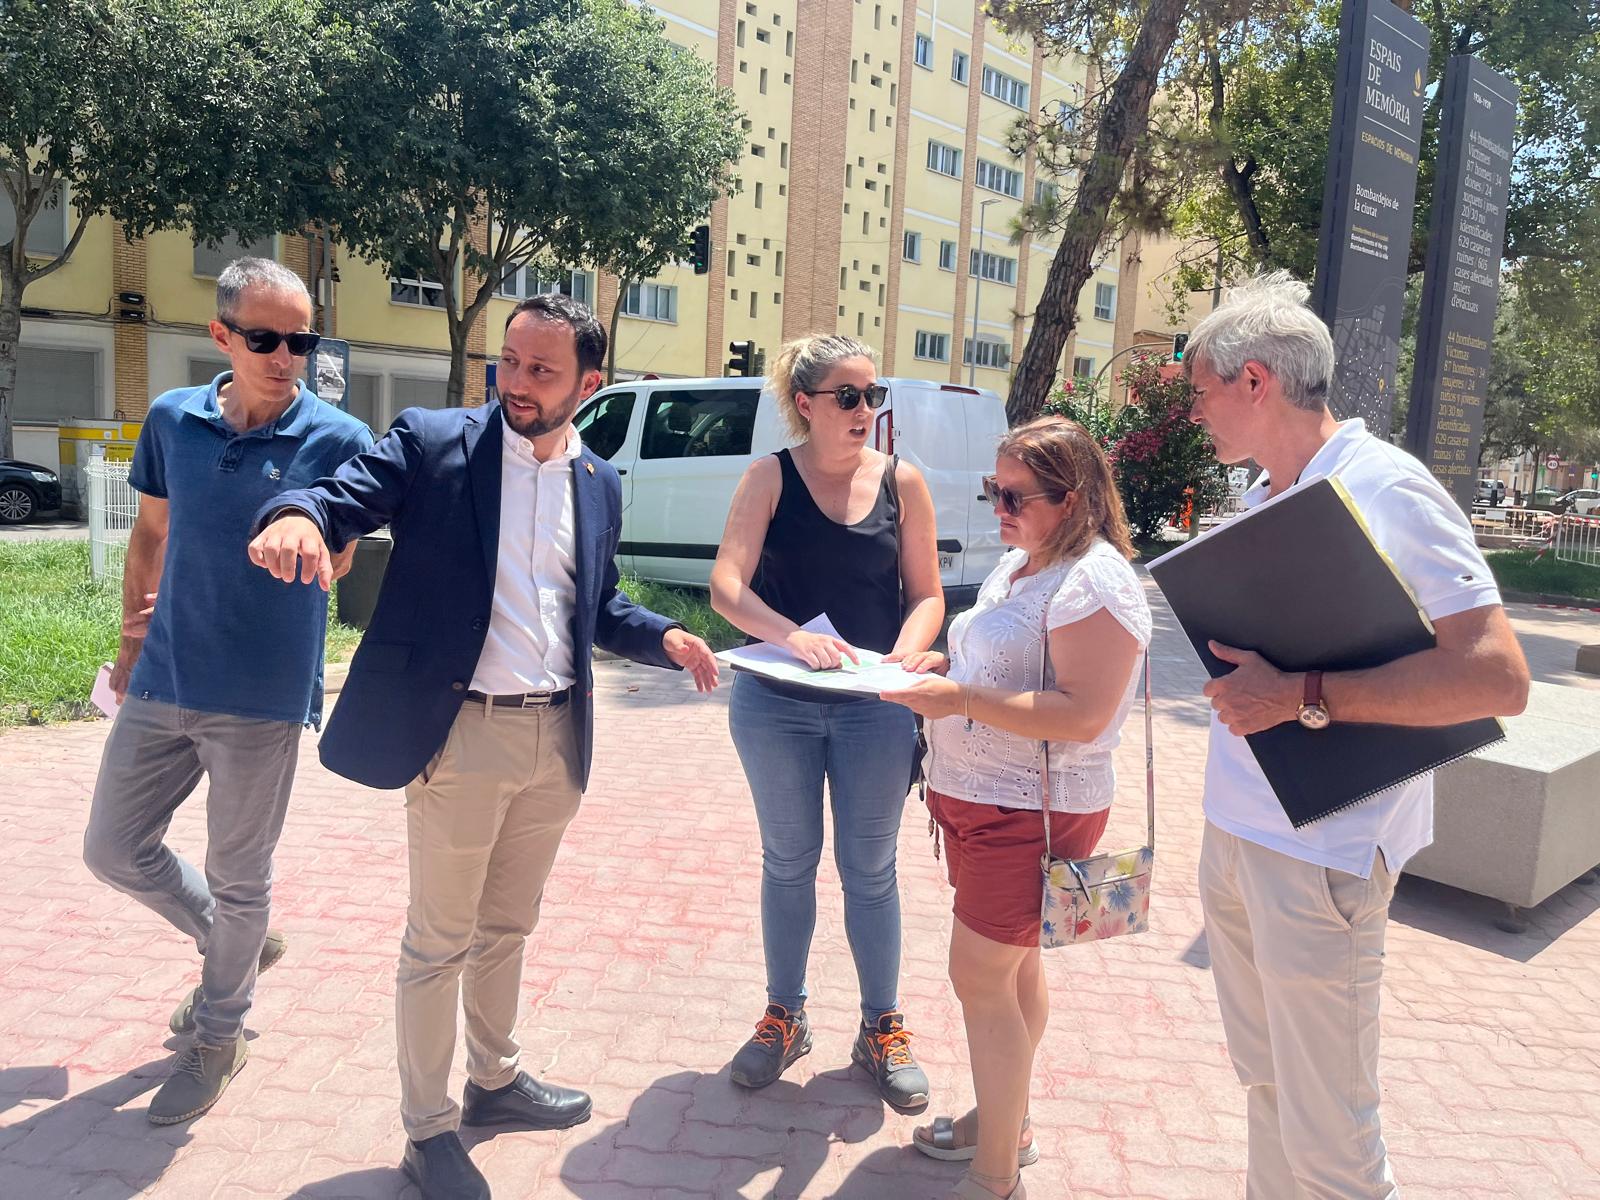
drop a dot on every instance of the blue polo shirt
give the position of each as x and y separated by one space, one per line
226 637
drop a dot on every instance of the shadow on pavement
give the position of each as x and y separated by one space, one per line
723 1139
90 1142
369 1183
1470 919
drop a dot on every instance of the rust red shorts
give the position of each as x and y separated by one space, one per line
993 854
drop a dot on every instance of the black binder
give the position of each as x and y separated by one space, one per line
1300 581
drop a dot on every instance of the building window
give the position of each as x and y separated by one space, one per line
777 264
1083 368
995 178
935 347
521 282
992 352
651 302
912 251
944 159
761 85
758 195
48 233
922 52
208 263
994 266
1046 193
1105 301
1004 88
959 63
947 255
416 284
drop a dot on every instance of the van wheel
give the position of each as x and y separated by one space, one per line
16 504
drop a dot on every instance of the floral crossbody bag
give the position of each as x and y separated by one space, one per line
1105 895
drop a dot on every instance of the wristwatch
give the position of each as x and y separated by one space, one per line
1313 712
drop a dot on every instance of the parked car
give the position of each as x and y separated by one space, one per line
1491 492
1581 502
681 446
26 490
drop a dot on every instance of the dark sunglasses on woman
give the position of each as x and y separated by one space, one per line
849 395
265 341
1011 501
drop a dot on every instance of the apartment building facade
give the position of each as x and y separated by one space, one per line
878 198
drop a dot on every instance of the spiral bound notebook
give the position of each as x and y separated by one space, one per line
1300 580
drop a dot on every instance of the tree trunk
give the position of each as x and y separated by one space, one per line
611 334
10 336
456 389
1122 124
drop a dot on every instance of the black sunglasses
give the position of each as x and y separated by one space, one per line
265 341
849 395
1011 502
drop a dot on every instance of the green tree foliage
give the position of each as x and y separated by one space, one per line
1162 462
156 113
571 130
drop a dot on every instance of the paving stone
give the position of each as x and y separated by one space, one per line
645 975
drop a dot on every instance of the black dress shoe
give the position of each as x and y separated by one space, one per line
440 1167
527 1103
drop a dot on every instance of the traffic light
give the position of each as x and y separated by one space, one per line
741 360
700 249
1179 342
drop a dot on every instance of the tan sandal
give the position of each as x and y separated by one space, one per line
970 1189
940 1142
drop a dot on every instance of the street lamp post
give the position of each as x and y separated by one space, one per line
977 293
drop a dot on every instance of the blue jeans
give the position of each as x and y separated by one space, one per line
863 749
154 758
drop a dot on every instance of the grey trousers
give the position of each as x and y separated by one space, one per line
153 759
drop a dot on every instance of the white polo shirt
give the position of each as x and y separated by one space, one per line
1427 537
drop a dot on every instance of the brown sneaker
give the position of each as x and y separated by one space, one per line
182 1020
197 1081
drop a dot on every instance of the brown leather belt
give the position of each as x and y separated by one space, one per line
524 699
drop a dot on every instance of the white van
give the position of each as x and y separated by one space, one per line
681 445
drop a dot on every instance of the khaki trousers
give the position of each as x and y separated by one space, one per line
483 823
1297 956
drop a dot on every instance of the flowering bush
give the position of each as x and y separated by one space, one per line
1161 462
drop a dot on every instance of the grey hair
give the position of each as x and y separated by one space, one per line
803 364
242 274
1267 320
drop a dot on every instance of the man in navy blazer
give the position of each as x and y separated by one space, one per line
472 689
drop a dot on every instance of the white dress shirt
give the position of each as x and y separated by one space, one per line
1427 537
529 644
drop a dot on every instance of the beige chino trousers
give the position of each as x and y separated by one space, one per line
483 822
1297 957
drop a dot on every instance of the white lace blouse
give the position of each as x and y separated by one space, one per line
999 643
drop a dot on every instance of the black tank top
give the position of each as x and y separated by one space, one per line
811 564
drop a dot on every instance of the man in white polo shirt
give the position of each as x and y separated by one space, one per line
1295 917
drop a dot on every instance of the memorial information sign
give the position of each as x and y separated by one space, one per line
1368 203
1461 288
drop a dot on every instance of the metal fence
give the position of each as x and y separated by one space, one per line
1577 539
113 507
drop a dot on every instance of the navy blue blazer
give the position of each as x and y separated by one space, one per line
434 479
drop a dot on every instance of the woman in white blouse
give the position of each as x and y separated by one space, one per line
1067 581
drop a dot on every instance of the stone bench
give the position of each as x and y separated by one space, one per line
1520 820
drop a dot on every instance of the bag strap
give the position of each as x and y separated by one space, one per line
894 494
1149 755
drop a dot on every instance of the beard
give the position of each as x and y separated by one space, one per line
547 417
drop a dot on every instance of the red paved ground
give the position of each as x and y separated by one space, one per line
646 974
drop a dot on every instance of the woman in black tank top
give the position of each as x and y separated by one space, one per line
830 527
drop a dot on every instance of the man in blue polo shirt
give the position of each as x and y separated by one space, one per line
226 672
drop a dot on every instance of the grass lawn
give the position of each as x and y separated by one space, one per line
57 627
1522 571
689 605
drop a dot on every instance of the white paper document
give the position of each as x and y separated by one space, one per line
103 697
871 676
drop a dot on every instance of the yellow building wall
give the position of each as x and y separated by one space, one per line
83 285
367 315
